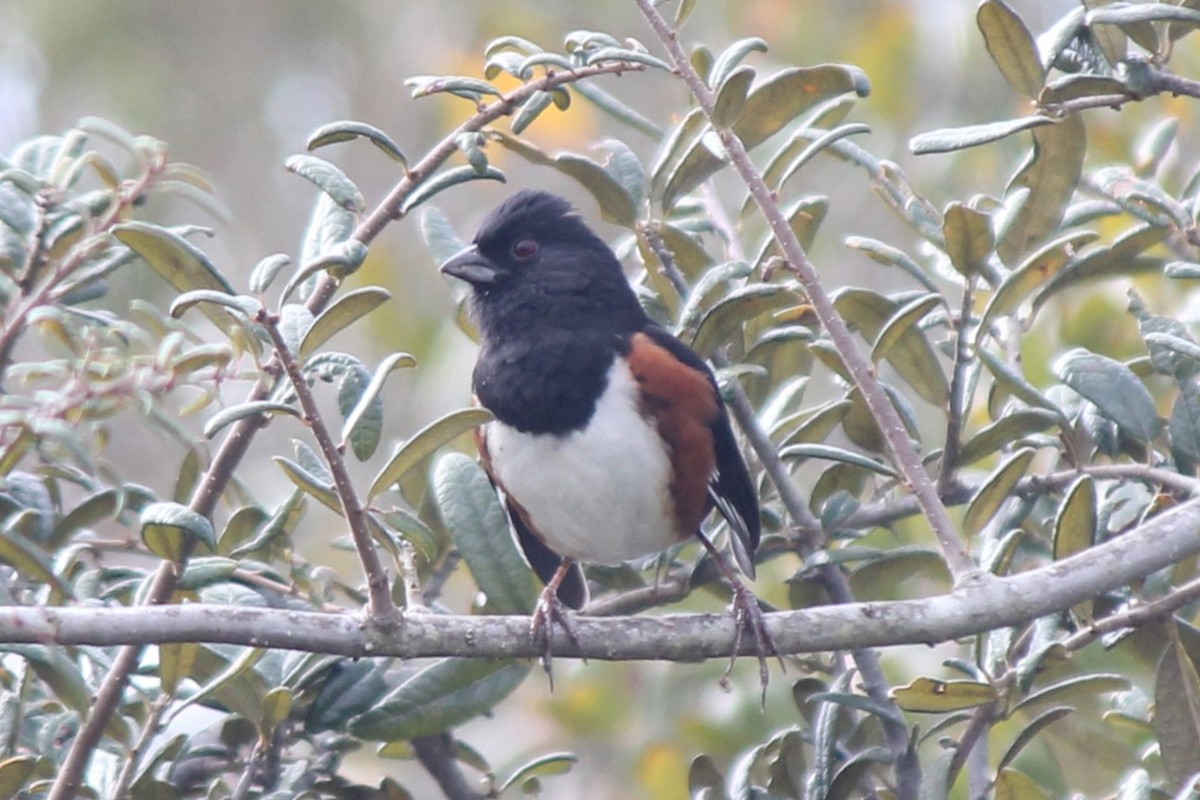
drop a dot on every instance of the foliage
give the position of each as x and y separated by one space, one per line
1038 465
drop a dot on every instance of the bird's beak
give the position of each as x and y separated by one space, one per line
471 266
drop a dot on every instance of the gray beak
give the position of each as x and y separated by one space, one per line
471 266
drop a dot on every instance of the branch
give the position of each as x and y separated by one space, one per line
986 604
436 754
383 609
899 443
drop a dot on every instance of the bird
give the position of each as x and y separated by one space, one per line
609 441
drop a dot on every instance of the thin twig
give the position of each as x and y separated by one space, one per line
899 443
958 390
383 610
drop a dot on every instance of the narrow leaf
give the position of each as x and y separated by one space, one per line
929 695
424 443
364 437
346 130
995 490
1075 524
329 179
340 314
1113 388
1011 46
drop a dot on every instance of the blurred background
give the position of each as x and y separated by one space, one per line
235 88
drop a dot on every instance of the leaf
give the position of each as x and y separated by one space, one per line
731 57
883 578
424 443
929 695
94 508
439 697
544 766
616 204
445 180
1075 523
1075 690
329 179
329 228
1011 46
969 238
175 660
531 110
29 560
58 672
1176 716
364 424
831 453
177 260
790 92
1051 172
1038 268
1005 431
1113 388
168 527
243 305
1118 259
995 490
313 485
351 687
347 130
1027 734
891 257
340 314
1013 785
724 320
471 510
232 414
946 140
1184 426
731 97
15 771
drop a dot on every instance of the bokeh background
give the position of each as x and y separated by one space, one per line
236 87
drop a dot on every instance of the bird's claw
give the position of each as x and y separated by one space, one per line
748 617
548 611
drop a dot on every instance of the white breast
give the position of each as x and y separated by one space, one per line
600 494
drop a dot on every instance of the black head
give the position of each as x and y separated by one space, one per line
535 257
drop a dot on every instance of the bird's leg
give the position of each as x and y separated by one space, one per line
747 616
549 609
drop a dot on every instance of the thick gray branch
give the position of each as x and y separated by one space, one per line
980 605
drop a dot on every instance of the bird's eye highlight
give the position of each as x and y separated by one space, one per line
524 248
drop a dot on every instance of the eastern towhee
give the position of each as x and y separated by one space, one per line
610 442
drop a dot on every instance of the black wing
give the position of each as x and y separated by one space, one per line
731 488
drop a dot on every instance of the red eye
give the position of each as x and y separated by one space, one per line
524 248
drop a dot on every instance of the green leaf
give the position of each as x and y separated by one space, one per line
294 322
329 179
241 304
1011 46
630 56
1027 734
445 180
1184 426
364 425
58 672
544 766
175 660
346 130
731 97
1075 523
439 697
725 319
177 260
311 484
883 578
462 86
1013 785
733 55
424 443
1113 388
472 512
1051 172
891 257
1038 268
352 687
929 695
969 238
92 509
616 204
329 228
531 110
626 168
946 140
236 685
831 453
1118 259
995 490
29 560
339 315
1176 717
1075 690
15 772
790 92
166 528
227 416
1004 431
414 531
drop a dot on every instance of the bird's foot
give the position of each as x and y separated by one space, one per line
748 617
548 611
